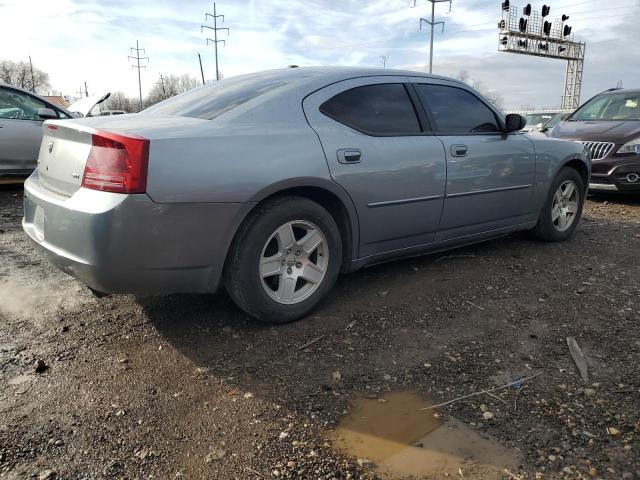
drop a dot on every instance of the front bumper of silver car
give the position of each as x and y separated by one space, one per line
116 243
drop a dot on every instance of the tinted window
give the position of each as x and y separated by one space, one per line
19 106
384 109
210 101
456 110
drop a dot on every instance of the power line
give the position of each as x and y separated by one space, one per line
432 23
137 58
215 29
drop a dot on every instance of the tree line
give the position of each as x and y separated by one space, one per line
20 74
167 86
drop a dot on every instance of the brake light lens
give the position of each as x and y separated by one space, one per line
117 163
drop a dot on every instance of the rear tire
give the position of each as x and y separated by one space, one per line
562 209
284 260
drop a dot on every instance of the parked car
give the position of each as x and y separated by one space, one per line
106 113
535 120
273 183
609 126
21 117
86 106
552 122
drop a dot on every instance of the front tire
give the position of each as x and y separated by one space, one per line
562 210
284 260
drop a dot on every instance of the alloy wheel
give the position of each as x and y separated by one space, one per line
294 262
565 205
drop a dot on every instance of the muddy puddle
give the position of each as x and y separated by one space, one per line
404 442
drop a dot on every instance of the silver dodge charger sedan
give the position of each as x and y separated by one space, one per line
272 183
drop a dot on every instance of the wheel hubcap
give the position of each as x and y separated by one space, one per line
565 206
294 262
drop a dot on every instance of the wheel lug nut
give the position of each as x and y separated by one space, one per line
297 253
298 264
289 270
282 262
288 251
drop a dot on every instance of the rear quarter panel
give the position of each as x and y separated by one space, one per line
229 163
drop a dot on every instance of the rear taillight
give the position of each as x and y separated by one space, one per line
117 163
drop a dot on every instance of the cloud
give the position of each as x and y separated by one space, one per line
78 40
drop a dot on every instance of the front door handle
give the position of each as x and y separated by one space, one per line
459 150
349 155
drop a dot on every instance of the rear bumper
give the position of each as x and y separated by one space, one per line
118 243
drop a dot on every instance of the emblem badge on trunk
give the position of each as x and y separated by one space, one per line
50 147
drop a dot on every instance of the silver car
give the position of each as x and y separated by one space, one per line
21 117
273 183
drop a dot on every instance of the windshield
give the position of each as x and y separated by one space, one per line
610 106
536 118
210 101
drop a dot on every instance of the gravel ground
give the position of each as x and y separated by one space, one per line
189 387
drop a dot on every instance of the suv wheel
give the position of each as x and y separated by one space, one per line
562 210
284 260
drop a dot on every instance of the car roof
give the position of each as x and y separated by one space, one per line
622 90
328 75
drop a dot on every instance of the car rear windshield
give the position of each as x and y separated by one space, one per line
210 101
610 106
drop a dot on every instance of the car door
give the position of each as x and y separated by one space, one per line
490 174
20 130
388 162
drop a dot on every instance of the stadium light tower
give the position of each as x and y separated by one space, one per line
533 33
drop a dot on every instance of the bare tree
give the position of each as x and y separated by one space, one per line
495 98
119 101
18 74
168 86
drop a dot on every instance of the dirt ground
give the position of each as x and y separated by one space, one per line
189 387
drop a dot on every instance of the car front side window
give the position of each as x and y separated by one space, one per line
18 105
380 110
457 111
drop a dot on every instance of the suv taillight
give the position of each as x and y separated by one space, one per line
117 163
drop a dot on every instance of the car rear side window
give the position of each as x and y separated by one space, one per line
210 101
383 109
457 111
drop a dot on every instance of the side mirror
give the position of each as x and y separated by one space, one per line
514 123
47 113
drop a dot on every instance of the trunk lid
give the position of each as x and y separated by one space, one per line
66 144
63 155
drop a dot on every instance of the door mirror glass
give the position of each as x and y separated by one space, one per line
47 113
514 122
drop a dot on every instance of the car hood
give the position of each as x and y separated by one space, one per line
83 106
608 131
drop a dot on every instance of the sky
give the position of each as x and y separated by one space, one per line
89 40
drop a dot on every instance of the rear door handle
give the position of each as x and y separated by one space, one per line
349 155
459 150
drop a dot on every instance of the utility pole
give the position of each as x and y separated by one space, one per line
80 92
201 70
33 86
164 90
215 29
384 61
137 58
432 23
86 92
